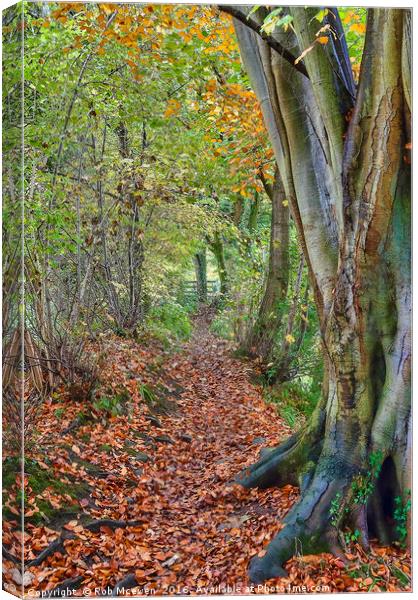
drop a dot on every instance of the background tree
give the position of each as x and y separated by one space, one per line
260 339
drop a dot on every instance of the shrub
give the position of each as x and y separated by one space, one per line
402 508
223 326
169 322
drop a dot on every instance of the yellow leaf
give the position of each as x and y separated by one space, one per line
358 27
285 203
289 338
107 8
173 107
323 39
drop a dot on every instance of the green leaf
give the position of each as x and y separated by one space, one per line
253 10
320 15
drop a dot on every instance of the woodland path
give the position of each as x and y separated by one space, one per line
173 524
211 527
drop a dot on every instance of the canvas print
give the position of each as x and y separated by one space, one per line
206 299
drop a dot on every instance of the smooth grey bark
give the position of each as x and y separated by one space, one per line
349 193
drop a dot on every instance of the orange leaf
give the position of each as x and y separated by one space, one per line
358 27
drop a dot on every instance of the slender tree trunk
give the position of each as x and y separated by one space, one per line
201 276
106 266
253 214
238 210
260 338
128 193
349 192
217 248
287 351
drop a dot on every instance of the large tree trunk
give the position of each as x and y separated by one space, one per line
349 192
260 338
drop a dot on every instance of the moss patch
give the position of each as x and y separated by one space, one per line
159 398
39 479
105 448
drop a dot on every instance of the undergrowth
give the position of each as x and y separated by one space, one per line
294 400
222 325
169 323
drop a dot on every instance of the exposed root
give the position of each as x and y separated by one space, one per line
9 556
55 546
126 583
307 530
113 524
272 468
292 462
66 588
58 544
359 521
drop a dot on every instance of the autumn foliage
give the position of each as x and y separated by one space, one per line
171 336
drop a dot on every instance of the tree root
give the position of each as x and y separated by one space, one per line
113 524
307 530
65 588
266 472
327 505
359 521
58 544
76 423
291 462
9 556
55 546
126 583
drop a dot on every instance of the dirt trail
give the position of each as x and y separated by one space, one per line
167 477
173 522
215 528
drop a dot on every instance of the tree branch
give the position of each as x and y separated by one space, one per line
268 188
285 54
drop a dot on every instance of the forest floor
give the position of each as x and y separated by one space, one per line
143 496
